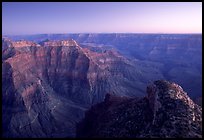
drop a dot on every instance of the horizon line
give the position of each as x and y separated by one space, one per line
93 33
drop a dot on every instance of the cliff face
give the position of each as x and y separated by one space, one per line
48 84
177 57
55 82
166 112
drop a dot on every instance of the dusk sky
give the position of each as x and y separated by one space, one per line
101 17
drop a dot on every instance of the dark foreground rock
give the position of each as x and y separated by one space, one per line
166 112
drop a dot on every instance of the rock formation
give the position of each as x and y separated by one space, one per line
166 112
177 57
55 82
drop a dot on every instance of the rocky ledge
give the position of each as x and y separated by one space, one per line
24 43
166 112
68 43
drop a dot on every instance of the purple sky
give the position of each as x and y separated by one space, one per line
89 17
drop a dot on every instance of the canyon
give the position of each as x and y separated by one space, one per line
177 57
50 81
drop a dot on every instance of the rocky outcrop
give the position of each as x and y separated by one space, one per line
67 43
23 43
166 112
7 49
45 83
